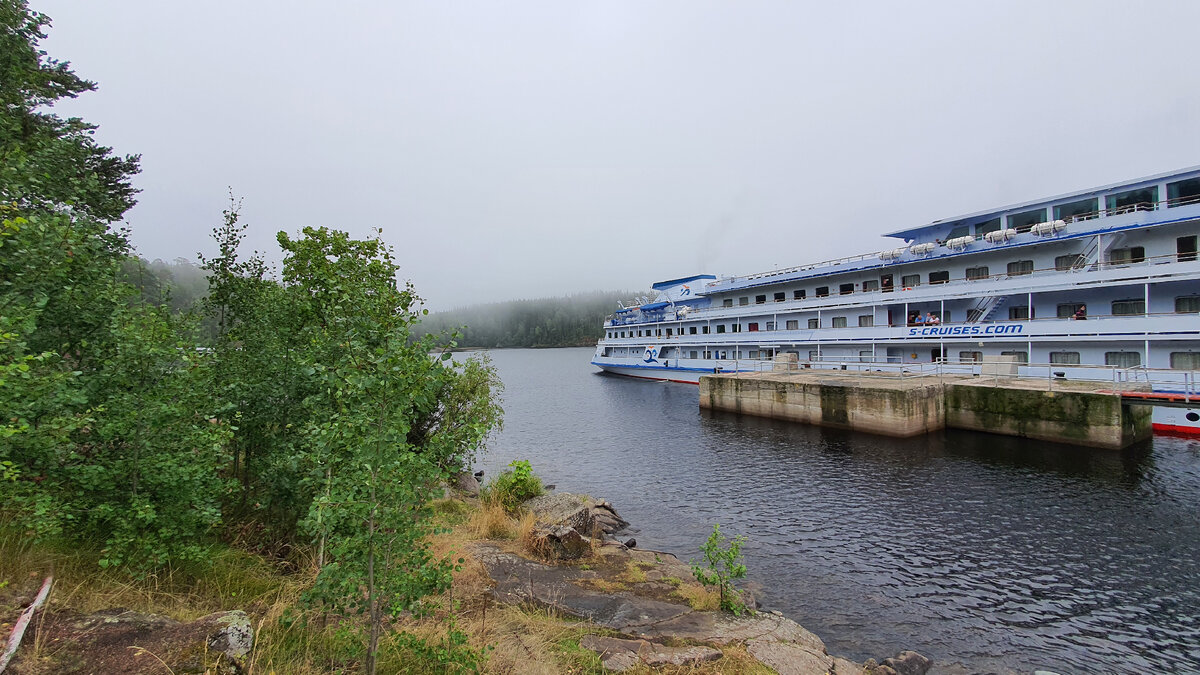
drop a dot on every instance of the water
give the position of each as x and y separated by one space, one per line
982 552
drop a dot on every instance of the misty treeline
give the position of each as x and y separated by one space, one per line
570 321
314 426
181 285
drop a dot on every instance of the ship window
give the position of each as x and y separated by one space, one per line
780 296
814 355
1065 358
752 327
959 231
691 330
668 332
1065 263
866 355
814 323
1067 310
987 226
1183 192
1018 313
760 299
728 302
822 291
704 330
839 322
1128 307
1123 359
866 321
910 280
708 354
753 354
744 301
1084 209
940 277
692 354
870 285
1019 267
735 328
968 357
1126 256
1185 248
1185 360
1022 356
770 325
975 273
1187 304
1142 199
793 324
720 328
1024 221
798 294
658 332
845 289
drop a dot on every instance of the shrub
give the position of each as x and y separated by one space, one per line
513 487
724 559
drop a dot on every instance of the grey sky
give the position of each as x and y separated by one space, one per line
527 149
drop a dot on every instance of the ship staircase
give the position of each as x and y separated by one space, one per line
985 309
1093 257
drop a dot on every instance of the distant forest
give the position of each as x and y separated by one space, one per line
570 321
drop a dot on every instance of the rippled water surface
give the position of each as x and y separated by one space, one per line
982 552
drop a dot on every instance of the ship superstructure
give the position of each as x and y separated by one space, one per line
1106 277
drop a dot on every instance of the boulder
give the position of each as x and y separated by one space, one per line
466 483
789 658
564 509
907 663
620 655
561 543
121 641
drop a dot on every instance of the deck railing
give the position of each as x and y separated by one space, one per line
1137 378
1080 217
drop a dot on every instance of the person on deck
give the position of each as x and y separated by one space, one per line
1081 313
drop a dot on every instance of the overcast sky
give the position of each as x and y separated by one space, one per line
529 149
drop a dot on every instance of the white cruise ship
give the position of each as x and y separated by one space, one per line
1095 284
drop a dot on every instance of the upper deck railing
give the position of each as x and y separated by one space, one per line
952 288
1081 217
1122 379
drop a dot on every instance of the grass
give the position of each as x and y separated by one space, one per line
290 638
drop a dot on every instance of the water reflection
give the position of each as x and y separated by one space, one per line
984 552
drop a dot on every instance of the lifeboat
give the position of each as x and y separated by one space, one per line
959 243
1048 228
999 236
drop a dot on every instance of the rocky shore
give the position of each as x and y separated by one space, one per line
633 597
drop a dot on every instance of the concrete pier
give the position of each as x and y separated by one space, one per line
1073 412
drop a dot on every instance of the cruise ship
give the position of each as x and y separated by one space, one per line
1095 284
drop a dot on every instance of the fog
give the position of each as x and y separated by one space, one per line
532 149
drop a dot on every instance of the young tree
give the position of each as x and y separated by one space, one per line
391 422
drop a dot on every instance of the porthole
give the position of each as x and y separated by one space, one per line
1192 416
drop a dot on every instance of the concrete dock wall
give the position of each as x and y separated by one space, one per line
1080 418
915 406
888 411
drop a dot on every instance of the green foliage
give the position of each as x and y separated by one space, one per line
516 485
547 322
723 558
314 416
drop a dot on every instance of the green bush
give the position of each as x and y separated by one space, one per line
513 487
723 558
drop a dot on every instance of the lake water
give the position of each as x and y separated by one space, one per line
984 553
